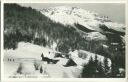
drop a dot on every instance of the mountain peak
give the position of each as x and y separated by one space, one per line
67 15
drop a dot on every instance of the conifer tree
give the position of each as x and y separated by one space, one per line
106 67
89 69
100 70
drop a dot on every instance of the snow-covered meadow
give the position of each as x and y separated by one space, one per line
23 60
25 57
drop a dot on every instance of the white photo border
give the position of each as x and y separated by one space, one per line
63 79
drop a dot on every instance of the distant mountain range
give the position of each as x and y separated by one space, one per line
74 15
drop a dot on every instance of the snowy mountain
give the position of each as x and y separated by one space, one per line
73 15
66 34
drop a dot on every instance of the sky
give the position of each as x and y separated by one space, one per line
115 11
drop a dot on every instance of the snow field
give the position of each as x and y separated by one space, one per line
28 57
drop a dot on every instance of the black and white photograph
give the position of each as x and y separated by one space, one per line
64 40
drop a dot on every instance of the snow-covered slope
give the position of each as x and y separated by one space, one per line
82 57
96 36
28 50
31 51
73 15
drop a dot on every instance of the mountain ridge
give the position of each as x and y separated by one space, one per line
72 15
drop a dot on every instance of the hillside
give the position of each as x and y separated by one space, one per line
91 32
